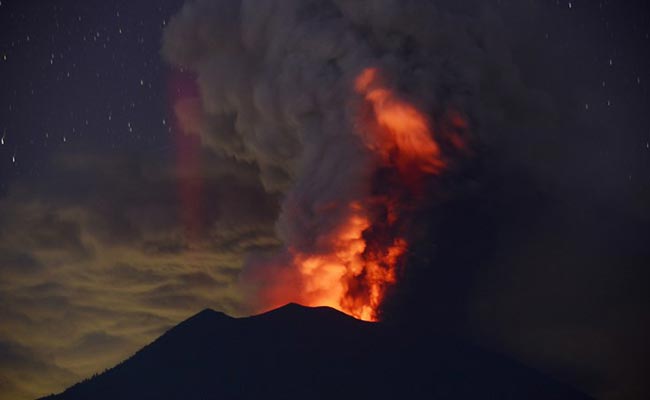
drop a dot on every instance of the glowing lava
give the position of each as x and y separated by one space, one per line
368 247
353 277
402 137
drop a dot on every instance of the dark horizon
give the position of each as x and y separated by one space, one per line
294 352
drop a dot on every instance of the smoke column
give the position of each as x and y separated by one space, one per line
352 111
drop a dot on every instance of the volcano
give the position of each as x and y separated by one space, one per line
297 352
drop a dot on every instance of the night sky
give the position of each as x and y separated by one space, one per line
111 231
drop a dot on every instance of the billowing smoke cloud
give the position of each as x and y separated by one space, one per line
277 89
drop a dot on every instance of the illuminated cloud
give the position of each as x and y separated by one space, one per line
94 262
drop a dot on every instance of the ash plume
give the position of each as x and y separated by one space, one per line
277 90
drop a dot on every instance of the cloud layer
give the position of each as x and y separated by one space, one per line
95 262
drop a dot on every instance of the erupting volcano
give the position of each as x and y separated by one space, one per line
347 126
364 252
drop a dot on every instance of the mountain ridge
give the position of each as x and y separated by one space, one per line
295 352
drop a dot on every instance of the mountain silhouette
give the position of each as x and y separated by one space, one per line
297 352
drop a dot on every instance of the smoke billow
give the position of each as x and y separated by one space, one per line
279 88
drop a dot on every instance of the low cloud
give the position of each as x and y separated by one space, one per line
95 263
27 375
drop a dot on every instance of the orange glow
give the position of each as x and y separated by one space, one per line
363 254
403 135
351 278
187 113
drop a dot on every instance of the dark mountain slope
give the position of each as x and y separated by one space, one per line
296 352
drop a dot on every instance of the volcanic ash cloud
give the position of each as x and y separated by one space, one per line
351 111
